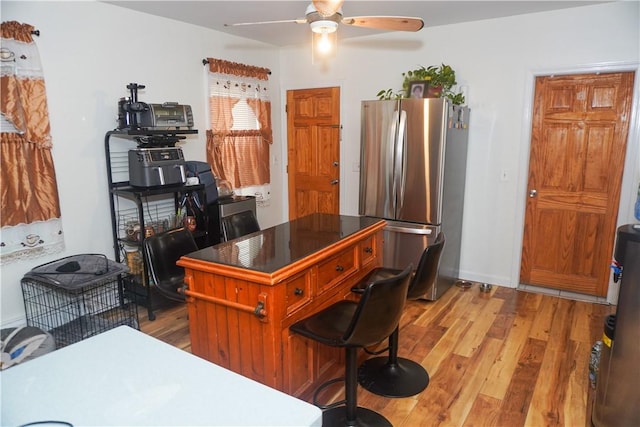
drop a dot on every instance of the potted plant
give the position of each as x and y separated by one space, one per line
441 79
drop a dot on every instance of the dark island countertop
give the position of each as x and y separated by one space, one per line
272 249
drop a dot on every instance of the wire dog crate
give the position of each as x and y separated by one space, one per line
77 297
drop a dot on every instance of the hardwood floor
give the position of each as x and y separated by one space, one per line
503 358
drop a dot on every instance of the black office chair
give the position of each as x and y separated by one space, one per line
353 325
240 224
162 250
394 376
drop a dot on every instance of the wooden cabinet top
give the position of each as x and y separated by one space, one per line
270 255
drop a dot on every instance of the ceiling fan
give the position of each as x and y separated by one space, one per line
323 16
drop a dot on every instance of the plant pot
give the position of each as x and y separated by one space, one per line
434 92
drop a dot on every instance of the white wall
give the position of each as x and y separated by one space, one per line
495 62
91 50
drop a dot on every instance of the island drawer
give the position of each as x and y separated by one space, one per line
298 291
336 269
367 251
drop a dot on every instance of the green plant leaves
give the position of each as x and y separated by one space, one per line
437 75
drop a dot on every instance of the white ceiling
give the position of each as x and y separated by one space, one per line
214 14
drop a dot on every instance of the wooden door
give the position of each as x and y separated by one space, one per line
578 145
313 153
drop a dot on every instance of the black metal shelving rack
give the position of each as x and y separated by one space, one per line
138 285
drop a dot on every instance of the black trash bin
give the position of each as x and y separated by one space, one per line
203 172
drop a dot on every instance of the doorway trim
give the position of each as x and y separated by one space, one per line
631 163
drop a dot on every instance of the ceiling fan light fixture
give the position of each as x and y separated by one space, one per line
323 46
324 43
324 26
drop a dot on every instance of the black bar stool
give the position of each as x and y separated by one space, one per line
395 376
162 250
238 225
353 325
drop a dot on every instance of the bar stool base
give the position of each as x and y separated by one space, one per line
364 418
401 379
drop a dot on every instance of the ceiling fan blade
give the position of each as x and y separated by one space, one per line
391 23
285 21
327 7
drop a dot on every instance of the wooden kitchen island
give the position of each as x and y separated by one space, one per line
244 294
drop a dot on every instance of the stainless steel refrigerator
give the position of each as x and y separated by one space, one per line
412 173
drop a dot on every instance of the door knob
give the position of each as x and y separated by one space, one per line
335 182
533 193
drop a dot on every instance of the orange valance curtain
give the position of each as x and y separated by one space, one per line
221 66
241 132
30 208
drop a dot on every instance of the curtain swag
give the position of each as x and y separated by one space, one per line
244 87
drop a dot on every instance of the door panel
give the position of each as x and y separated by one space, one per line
578 145
313 133
423 161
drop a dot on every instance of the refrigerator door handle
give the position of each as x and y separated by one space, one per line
390 162
400 161
409 230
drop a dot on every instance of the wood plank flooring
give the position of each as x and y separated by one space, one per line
503 358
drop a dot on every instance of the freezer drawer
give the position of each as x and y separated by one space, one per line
404 244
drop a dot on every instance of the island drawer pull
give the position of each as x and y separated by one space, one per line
298 291
339 268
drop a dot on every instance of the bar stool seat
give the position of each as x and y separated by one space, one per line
395 376
353 325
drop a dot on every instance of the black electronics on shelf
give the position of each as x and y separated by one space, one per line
130 230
